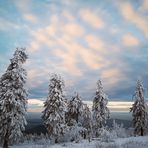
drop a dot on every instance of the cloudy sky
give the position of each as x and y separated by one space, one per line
82 40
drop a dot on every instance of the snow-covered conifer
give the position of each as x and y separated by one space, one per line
86 120
75 118
54 109
86 115
74 109
139 110
13 99
100 112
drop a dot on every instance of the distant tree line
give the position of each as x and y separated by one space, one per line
65 120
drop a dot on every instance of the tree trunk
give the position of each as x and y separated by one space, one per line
77 117
5 145
141 131
56 140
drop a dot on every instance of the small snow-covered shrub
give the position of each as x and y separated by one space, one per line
74 133
118 131
106 135
130 132
36 139
109 135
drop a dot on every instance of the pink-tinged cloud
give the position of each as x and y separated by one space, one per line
134 17
92 18
130 40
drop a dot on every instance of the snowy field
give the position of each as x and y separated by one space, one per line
131 142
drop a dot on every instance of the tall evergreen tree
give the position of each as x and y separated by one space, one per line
74 109
139 110
100 112
55 108
78 117
86 120
13 99
86 117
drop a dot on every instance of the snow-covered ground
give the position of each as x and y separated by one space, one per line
131 142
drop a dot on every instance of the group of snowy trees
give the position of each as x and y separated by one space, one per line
64 119
62 116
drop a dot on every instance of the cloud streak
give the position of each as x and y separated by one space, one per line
36 105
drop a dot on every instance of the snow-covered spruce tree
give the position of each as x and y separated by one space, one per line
75 119
55 108
86 120
74 109
139 110
100 112
13 99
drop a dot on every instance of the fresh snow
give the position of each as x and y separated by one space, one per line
131 142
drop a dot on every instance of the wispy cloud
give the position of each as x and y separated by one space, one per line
8 25
130 40
134 17
68 16
25 8
112 77
94 42
91 18
72 29
30 17
144 7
